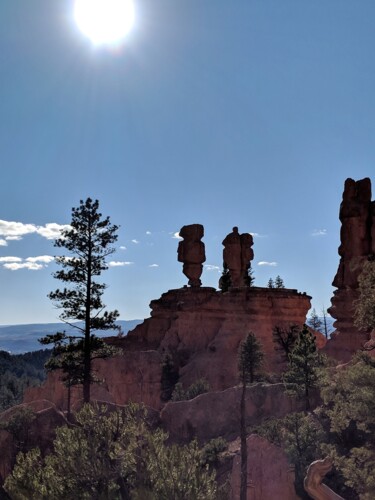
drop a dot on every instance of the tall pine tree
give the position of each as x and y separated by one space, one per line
89 241
250 359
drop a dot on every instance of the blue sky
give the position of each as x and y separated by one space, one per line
245 112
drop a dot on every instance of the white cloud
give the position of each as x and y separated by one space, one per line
135 242
210 267
319 232
51 231
148 233
265 263
12 230
46 259
10 259
119 263
177 236
31 263
153 265
3 243
122 247
15 266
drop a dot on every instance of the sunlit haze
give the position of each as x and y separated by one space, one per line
104 21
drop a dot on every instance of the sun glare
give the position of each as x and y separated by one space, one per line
104 21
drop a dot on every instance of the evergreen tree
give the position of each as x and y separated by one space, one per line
249 277
314 321
225 281
112 455
89 241
304 362
250 359
364 314
285 338
279 282
270 283
349 407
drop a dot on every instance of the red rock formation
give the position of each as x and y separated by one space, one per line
202 329
191 252
357 244
269 473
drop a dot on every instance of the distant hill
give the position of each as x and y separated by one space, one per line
18 339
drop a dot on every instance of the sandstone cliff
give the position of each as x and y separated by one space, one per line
357 216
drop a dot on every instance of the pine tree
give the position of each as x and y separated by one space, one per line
225 281
304 362
89 241
270 283
250 359
279 282
249 277
314 321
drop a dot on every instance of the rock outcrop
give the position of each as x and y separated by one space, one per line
357 216
217 413
269 474
201 329
192 253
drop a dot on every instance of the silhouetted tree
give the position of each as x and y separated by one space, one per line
250 359
249 277
225 281
270 283
285 338
88 240
279 282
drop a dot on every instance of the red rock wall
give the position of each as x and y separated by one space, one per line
357 216
217 413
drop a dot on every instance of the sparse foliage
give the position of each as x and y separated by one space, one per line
314 321
271 283
200 386
285 338
89 241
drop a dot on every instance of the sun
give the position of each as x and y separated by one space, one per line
104 22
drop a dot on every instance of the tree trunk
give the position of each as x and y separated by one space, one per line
87 346
243 490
